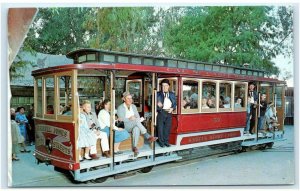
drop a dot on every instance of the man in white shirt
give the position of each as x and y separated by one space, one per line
128 113
166 102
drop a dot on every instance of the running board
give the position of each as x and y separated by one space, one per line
261 141
123 167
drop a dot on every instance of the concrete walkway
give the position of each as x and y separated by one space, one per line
258 167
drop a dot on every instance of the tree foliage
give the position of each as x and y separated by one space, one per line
127 29
223 35
58 30
227 35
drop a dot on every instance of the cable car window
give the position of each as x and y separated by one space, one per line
82 58
39 97
278 90
89 86
65 95
91 57
49 95
239 96
190 97
208 101
225 95
123 59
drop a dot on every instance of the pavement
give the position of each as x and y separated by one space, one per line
274 166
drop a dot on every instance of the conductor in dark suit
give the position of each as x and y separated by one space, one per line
166 104
252 94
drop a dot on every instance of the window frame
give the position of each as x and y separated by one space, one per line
36 113
231 96
57 96
45 115
246 96
190 111
210 110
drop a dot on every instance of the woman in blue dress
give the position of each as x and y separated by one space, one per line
104 120
22 120
86 138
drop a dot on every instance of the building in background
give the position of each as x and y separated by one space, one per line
22 87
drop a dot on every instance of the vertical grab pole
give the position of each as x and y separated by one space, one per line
257 116
112 116
153 122
275 113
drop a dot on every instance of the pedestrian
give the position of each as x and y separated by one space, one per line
22 121
17 137
31 126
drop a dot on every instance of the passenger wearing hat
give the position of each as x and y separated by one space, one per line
253 97
166 102
128 113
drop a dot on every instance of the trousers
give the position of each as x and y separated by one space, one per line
104 143
164 123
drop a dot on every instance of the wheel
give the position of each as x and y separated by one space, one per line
64 171
270 145
146 169
262 147
100 180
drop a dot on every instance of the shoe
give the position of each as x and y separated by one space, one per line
161 144
80 158
152 139
15 159
86 156
167 145
25 151
118 152
94 156
135 151
106 154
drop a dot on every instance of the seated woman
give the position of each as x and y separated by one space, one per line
210 103
86 138
271 117
104 121
204 104
227 102
50 109
186 103
238 103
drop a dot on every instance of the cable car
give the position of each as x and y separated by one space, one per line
97 74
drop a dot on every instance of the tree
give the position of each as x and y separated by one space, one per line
58 30
227 35
126 29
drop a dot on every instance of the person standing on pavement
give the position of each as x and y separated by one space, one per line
16 137
166 102
31 126
22 120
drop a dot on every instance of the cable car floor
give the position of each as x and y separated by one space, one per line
146 153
